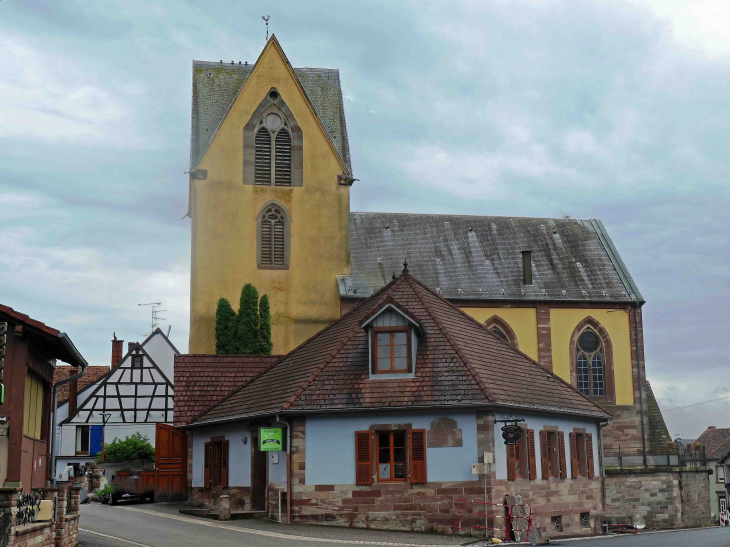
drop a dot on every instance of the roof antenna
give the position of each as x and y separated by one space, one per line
405 267
154 307
266 18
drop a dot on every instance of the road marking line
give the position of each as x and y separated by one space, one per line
112 537
272 534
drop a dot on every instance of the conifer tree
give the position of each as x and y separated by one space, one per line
247 338
265 345
226 327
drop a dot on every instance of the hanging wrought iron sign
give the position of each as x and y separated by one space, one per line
29 505
511 432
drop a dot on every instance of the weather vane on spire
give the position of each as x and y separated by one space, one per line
266 18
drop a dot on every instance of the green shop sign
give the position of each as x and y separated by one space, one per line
272 439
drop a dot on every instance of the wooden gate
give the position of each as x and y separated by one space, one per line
170 462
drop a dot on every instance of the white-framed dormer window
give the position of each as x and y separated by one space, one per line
393 336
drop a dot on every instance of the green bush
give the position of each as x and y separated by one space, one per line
108 489
134 447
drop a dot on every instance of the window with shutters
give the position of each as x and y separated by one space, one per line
581 453
521 462
552 449
273 150
399 456
273 236
216 463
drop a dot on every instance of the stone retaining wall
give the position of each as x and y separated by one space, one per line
208 497
664 498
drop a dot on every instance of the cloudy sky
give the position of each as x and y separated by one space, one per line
617 110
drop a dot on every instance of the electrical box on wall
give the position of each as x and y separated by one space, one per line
488 457
479 469
274 457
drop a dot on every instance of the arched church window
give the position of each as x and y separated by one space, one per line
590 364
273 238
499 327
273 151
499 332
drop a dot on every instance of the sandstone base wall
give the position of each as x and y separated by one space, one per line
662 498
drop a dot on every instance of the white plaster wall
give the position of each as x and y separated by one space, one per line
330 445
162 354
239 454
538 423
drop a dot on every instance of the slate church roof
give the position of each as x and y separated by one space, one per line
479 257
459 364
216 85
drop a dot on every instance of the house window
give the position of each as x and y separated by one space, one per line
556 523
521 461
273 238
82 439
581 453
720 473
136 361
391 350
590 364
398 456
391 452
552 447
585 520
215 463
273 151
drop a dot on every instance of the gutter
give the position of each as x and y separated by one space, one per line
600 461
80 361
297 412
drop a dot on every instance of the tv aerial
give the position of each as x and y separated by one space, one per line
266 18
155 312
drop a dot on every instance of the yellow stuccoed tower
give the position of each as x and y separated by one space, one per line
230 190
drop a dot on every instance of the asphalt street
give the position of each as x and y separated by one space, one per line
157 525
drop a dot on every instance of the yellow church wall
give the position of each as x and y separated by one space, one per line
304 298
616 322
522 320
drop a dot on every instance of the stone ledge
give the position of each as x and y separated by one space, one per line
27 528
653 470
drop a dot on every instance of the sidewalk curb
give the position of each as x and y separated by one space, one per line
652 532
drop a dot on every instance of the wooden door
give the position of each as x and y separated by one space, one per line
170 462
258 477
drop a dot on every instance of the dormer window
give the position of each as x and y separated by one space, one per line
393 335
391 350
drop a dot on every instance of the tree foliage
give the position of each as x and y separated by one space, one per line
265 344
248 321
226 328
134 447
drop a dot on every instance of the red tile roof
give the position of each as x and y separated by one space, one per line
203 381
93 374
713 439
459 362
23 318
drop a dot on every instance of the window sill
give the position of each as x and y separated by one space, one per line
261 267
391 376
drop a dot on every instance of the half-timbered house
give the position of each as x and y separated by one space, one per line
134 396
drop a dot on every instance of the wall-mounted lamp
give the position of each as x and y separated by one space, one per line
244 440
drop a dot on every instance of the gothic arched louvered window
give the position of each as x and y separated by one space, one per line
263 157
273 151
590 364
496 330
273 238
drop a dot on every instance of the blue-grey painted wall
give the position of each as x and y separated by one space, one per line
330 445
239 455
538 423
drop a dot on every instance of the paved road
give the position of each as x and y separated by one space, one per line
160 525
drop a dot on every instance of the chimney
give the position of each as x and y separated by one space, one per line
527 267
130 346
73 391
117 348
710 427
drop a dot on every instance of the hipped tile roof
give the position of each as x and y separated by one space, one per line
714 439
93 374
203 381
459 362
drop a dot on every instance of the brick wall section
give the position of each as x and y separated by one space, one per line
67 522
664 499
544 341
208 497
61 533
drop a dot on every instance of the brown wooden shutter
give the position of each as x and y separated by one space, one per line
206 466
279 250
531 453
263 158
282 175
224 463
511 463
524 469
363 458
573 456
561 450
418 455
544 453
589 450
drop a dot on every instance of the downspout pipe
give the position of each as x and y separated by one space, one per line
288 468
602 425
80 361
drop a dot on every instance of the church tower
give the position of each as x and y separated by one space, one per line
269 194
